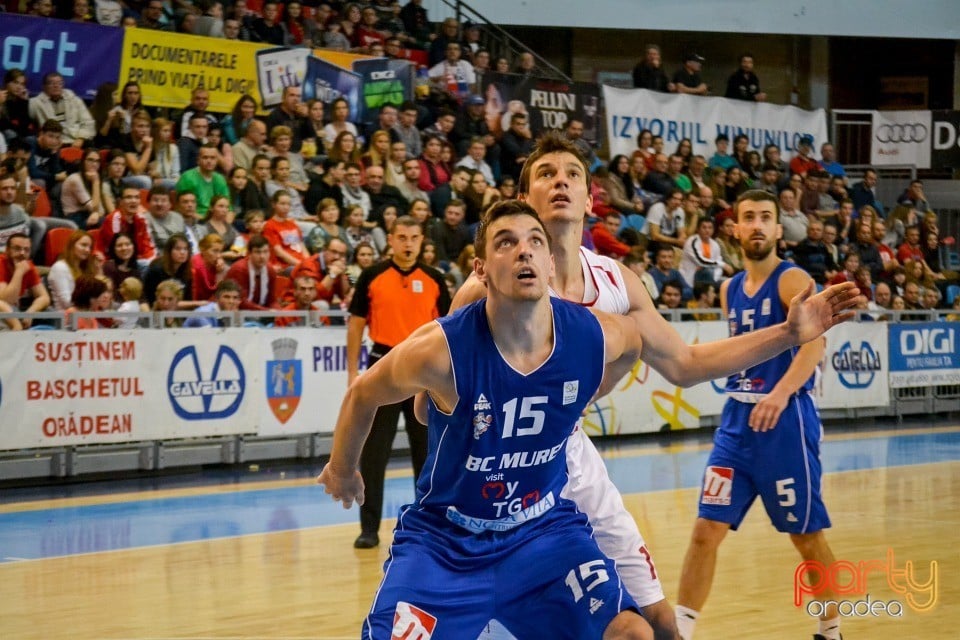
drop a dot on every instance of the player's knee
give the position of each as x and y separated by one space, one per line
808 544
708 533
628 625
661 617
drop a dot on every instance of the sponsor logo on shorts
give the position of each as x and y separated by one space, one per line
717 486
412 623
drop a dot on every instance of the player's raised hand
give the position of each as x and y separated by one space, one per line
346 488
812 315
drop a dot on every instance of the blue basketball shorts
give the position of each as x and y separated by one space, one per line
781 465
545 579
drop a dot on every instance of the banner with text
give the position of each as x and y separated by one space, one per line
854 370
901 137
550 104
674 116
103 387
86 55
945 153
383 81
169 66
326 82
924 354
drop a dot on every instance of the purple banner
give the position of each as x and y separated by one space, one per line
86 55
327 82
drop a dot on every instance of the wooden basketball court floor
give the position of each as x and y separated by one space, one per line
265 554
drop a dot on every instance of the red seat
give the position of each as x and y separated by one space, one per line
54 244
71 155
144 198
41 206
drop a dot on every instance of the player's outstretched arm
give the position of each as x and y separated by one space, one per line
622 344
419 363
685 365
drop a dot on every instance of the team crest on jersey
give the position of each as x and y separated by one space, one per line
417 286
571 388
481 422
482 404
412 622
765 307
717 486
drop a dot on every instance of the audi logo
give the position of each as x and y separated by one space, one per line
914 132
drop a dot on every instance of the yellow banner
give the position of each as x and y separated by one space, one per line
169 66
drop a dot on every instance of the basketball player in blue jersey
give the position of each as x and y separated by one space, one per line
556 183
488 535
768 442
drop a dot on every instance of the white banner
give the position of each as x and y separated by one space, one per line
645 402
98 387
855 367
702 119
901 137
60 388
304 380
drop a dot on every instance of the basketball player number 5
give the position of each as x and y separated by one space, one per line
526 411
592 573
788 497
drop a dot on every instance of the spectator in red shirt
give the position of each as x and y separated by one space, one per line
284 236
20 284
208 267
129 219
803 162
432 171
256 278
910 249
328 269
304 293
605 237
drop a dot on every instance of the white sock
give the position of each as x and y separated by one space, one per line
686 621
830 629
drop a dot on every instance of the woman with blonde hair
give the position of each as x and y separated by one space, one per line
208 267
379 151
169 295
77 260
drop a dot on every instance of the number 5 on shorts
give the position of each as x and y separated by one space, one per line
592 573
788 497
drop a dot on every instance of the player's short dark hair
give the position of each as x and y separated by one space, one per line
499 210
551 142
757 195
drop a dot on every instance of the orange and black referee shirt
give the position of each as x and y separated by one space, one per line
396 302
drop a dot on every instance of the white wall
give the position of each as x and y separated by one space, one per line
875 18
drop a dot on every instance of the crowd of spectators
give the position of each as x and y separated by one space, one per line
196 210
669 217
183 201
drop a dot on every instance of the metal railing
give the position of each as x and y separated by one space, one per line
500 43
